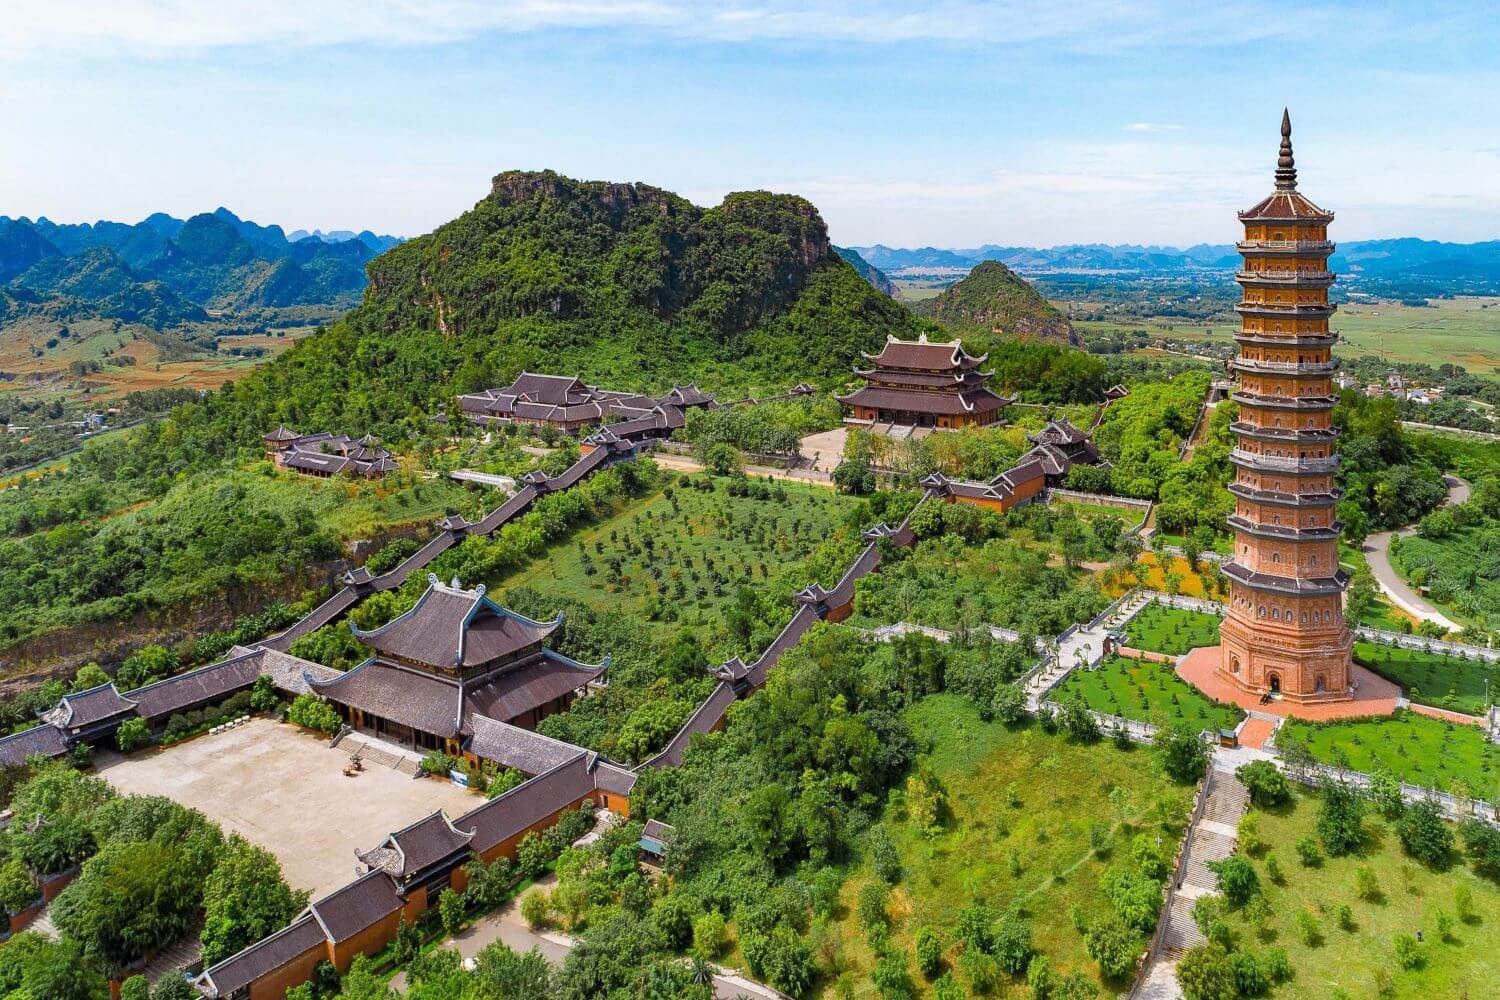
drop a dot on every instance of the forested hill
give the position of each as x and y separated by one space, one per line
626 284
874 275
994 298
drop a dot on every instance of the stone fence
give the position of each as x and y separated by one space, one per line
1426 645
1455 807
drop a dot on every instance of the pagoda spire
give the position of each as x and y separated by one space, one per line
1286 168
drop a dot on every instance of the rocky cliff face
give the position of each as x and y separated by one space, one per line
995 299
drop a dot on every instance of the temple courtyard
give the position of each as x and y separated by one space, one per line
284 789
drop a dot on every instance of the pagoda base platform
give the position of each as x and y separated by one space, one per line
1373 694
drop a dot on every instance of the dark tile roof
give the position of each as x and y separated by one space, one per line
703 720
512 746
449 626
419 846
686 395
1058 432
45 740
921 354
657 830
85 708
362 903
1286 205
944 403
211 683
282 433
399 694
266 955
528 803
613 778
516 692
289 673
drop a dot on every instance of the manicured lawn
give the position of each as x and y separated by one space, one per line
1019 794
1449 682
1415 748
1146 692
1412 896
1089 511
1164 629
684 557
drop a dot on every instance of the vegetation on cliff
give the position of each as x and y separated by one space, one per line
995 298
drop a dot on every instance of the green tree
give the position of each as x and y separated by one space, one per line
245 898
1424 833
451 911
1206 973
1341 818
1182 754
504 972
133 733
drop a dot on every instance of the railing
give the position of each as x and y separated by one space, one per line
1184 850
1416 642
1455 807
1322 464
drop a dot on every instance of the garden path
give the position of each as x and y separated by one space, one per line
1377 553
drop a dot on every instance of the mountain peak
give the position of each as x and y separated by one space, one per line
994 298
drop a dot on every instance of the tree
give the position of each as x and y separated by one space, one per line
133 733
264 696
884 859
1012 943
929 952
722 459
451 910
1181 753
1340 820
174 986
130 898
1206 973
245 898
1482 844
710 935
135 988
1112 945
1237 879
1424 833
488 883
90 675
1009 703
1265 782
312 712
17 889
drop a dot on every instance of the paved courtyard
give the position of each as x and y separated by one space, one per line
284 789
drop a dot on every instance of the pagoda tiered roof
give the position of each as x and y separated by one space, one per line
453 627
924 355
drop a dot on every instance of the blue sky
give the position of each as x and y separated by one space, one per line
953 124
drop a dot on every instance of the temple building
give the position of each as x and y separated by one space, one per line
1284 634
324 455
454 657
918 383
570 405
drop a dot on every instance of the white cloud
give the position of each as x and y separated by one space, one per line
165 26
1152 127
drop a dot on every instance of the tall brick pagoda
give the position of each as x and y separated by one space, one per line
1285 633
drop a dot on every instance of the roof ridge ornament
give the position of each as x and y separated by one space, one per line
1286 167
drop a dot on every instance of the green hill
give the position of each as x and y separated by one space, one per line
874 275
97 283
993 298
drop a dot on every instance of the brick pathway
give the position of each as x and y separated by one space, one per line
1256 732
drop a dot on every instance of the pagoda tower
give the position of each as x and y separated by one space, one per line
1285 633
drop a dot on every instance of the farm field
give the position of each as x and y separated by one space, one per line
1463 330
1415 748
1449 682
1411 897
916 283
684 553
1035 821
1163 629
1145 691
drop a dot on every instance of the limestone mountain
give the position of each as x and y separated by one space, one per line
627 285
874 275
995 299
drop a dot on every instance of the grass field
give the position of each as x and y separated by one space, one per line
1089 511
1449 682
684 557
1145 691
1464 330
1163 629
1028 810
1445 565
1411 897
1415 748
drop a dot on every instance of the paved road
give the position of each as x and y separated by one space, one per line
1403 595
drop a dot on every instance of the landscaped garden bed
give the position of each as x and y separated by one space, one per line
1417 749
1145 691
1161 628
1429 678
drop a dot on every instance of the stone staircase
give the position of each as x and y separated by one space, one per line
372 752
1210 838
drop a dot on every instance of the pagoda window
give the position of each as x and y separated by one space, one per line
1276 558
1304 617
1276 614
1262 610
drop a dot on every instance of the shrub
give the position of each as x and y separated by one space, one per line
135 988
975 926
1308 853
1341 818
132 734
1273 869
884 859
177 727
1075 986
1408 952
1040 978
1308 931
945 987
979 970
1248 834
408 942
891 978
1237 879
1012 943
1265 782
1274 963
709 935
1482 844
264 697
1366 886
1112 945
871 906
1250 980
451 911
929 952
1424 834
1345 917
1463 904
536 909
17 890
1008 704
1206 973
1182 754
311 712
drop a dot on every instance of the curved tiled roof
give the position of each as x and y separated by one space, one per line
85 708
924 354
449 626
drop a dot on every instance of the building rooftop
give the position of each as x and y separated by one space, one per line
453 627
924 355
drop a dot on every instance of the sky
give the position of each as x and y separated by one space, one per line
953 123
